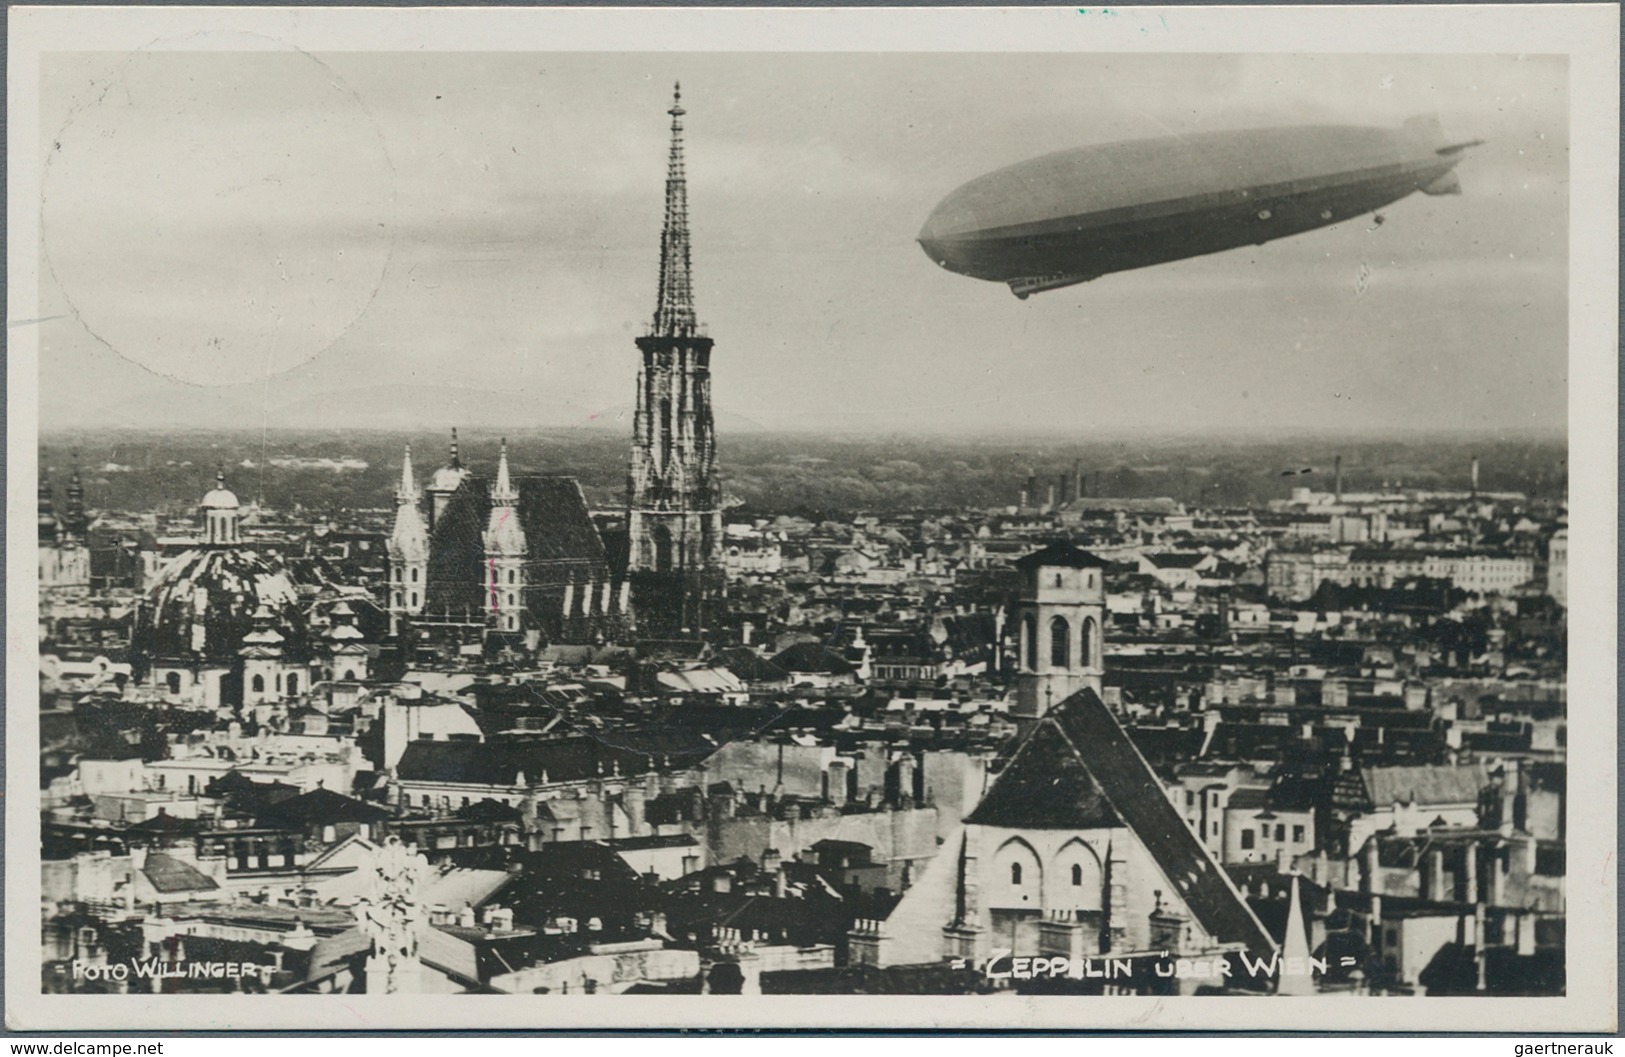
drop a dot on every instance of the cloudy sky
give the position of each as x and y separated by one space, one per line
433 239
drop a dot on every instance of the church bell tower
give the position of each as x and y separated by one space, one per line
1060 611
674 500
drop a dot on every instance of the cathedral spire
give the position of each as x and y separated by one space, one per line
503 493
408 492
73 515
674 304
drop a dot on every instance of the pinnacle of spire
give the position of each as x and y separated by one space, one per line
503 492
408 492
674 301
456 463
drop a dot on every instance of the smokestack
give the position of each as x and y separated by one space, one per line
1338 477
1077 478
1475 475
1050 505
1031 491
1060 487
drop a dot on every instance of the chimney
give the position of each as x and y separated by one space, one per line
1337 477
1050 503
1061 483
1030 492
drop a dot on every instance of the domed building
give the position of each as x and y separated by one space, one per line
212 604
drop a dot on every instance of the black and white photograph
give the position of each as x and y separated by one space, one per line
915 518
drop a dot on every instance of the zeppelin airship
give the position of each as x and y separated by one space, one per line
1076 215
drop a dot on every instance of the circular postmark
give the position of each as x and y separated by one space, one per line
218 216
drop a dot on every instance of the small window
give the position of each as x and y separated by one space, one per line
1057 579
1015 874
1280 832
1077 874
258 683
414 574
173 679
1297 834
513 576
1190 798
1246 839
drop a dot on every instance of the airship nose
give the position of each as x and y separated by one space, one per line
934 249
932 241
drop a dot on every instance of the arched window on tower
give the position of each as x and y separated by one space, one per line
1029 642
1086 655
1077 875
414 574
258 683
173 680
1060 635
293 684
1015 874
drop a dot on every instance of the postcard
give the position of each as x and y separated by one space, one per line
809 518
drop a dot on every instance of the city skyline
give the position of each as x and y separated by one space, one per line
484 221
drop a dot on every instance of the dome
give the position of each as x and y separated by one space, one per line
203 603
220 499
447 479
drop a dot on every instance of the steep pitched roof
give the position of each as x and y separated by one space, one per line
1046 786
1078 768
562 545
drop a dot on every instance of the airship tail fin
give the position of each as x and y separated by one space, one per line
1448 184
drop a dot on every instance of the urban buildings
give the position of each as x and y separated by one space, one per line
476 736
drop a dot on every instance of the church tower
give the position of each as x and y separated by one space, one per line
48 524
1060 611
674 500
505 551
75 522
408 551
445 481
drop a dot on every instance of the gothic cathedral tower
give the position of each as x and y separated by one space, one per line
1060 611
674 501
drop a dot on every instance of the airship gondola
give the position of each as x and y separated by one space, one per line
1075 215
